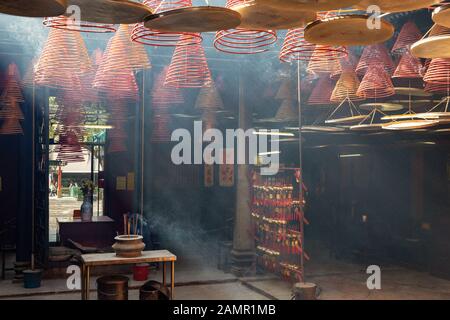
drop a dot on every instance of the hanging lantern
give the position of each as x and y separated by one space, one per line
408 35
243 41
188 68
143 35
321 93
71 24
376 83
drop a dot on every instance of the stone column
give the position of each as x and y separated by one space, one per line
243 252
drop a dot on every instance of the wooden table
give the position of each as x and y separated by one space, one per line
99 232
89 261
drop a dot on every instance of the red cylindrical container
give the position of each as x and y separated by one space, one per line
140 272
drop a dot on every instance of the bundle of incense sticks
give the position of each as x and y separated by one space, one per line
133 224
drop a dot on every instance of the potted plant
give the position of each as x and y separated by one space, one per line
87 188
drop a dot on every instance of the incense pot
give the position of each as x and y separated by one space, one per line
128 246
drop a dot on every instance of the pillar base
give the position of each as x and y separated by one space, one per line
243 263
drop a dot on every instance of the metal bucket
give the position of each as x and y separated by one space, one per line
153 290
112 288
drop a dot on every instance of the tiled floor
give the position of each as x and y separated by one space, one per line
336 280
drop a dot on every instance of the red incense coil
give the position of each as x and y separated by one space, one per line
209 119
376 83
287 111
117 138
188 68
375 54
408 35
68 24
161 130
295 47
437 88
164 96
331 65
143 35
438 72
285 90
12 88
11 126
90 93
115 77
136 52
10 109
409 67
321 93
69 148
243 41
64 54
209 99
346 88
346 64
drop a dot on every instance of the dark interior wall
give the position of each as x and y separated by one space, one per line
403 191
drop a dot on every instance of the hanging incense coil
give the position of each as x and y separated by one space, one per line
295 47
69 148
346 64
70 24
146 36
137 54
321 94
243 41
188 68
437 88
117 138
115 76
164 96
10 109
90 93
409 67
375 54
408 35
376 83
209 119
318 65
434 45
209 99
285 91
161 130
346 87
438 72
12 88
287 111
64 54
33 8
11 126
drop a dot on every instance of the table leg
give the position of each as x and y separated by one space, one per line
87 283
172 279
164 273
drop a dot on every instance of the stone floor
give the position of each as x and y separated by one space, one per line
335 279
